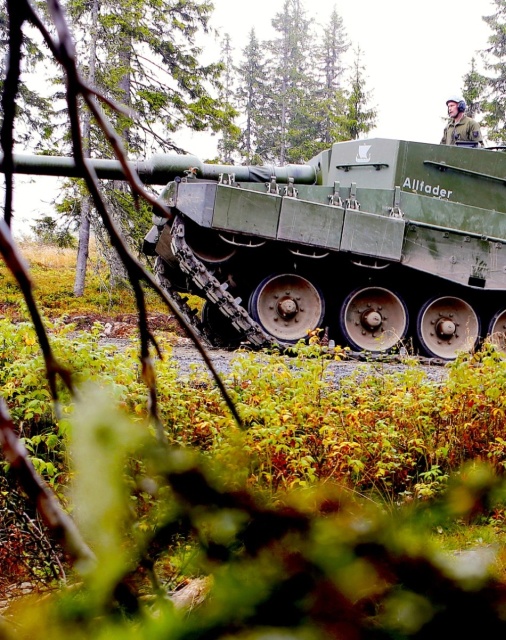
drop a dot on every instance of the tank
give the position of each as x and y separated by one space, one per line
376 244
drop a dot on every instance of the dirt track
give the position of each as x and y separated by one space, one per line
119 330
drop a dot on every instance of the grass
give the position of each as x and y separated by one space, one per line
53 273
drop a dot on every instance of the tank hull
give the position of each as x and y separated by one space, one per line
397 244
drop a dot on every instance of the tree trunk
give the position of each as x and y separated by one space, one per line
83 248
118 273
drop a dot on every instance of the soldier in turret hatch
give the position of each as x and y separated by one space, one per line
460 128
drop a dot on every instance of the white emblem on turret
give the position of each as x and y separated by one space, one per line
363 153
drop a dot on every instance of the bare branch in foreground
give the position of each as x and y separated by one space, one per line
64 52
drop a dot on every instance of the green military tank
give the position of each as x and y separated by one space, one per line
379 243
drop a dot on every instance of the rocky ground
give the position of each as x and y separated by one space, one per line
119 330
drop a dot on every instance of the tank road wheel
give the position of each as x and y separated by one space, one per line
287 306
373 319
447 325
497 330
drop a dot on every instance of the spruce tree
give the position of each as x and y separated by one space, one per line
331 68
360 119
145 58
494 56
251 98
294 98
34 112
229 141
148 60
288 73
473 91
84 198
320 117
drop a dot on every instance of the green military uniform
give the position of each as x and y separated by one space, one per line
466 129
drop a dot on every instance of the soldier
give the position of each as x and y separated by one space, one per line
460 127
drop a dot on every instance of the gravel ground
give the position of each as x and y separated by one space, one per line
119 330
189 360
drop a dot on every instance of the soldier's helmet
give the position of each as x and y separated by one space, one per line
461 103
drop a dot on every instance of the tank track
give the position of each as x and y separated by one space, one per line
179 301
213 291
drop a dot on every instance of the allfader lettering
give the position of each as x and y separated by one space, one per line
428 189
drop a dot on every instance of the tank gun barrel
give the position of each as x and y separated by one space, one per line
160 169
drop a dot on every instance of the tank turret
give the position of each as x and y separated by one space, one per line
379 243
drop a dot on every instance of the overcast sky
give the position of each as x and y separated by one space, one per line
415 54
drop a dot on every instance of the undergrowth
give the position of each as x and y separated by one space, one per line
53 273
349 493
397 435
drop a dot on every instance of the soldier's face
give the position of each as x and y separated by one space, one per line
452 109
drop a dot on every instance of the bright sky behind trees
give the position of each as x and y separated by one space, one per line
415 55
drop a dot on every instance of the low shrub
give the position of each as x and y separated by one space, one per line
397 434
